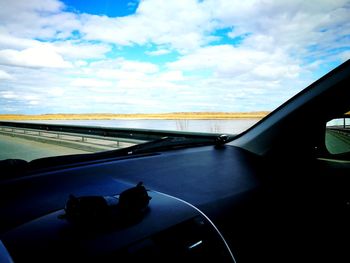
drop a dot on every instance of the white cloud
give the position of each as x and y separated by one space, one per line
183 25
56 92
78 50
137 66
45 17
227 61
188 25
289 25
8 95
344 55
70 49
33 57
175 75
91 83
116 74
5 75
80 63
33 102
269 53
126 65
8 41
158 52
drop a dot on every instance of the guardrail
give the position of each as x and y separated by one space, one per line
340 130
73 137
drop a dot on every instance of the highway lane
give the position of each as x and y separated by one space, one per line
18 148
337 142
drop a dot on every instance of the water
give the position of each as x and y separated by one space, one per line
212 126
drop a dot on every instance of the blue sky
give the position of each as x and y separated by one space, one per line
110 8
152 56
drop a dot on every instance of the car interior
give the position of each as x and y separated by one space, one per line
274 193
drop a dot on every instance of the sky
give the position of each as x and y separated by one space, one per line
156 56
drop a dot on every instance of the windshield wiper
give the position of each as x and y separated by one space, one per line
170 143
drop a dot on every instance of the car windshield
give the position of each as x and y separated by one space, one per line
93 76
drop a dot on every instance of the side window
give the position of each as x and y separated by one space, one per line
338 135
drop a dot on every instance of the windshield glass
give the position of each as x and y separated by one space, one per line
209 66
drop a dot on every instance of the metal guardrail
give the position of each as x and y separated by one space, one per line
73 137
340 130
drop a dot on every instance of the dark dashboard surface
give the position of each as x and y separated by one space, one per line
169 230
204 177
243 195
200 176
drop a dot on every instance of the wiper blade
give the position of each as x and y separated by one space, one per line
168 143
164 143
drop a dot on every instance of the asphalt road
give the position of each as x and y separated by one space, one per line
18 148
337 142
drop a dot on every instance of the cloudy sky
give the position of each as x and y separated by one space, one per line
131 56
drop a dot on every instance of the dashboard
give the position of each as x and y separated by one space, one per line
187 187
220 203
171 230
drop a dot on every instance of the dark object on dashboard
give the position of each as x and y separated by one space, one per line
87 209
135 199
100 210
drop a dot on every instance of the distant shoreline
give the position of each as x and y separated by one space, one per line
155 116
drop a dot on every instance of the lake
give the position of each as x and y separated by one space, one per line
234 126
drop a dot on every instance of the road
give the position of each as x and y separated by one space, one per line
18 148
337 142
